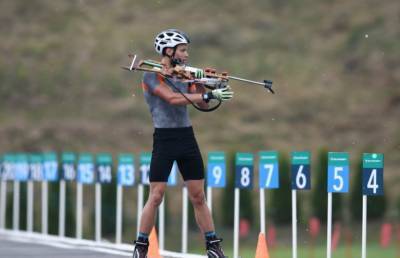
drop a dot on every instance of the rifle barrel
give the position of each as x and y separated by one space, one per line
245 80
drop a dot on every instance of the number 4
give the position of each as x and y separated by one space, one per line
372 182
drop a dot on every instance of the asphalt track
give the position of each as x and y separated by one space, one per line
19 248
19 244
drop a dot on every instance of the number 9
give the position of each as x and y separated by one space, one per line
217 174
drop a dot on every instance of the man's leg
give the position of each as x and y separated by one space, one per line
156 195
157 190
203 218
201 210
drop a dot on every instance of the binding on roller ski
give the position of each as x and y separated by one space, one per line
207 77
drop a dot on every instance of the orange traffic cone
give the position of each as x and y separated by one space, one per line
153 247
262 249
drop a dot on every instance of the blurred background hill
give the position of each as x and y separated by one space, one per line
335 66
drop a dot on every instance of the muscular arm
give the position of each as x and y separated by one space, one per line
198 88
175 98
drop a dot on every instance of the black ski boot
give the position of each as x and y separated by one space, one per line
141 247
214 249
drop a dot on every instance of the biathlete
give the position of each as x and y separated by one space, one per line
174 139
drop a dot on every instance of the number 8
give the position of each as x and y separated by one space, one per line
245 178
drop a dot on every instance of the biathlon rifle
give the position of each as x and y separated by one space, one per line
210 79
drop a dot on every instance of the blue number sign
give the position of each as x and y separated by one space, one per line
36 167
21 167
338 172
145 159
126 170
68 166
269 169
216 169
172 181
85 169
50 166
8 167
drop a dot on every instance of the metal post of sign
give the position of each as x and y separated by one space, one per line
373 185
3 200
125 177
338 182
79 197
16 206
262 210
61 210
184 220
140 207
236 224
294 224
44 206
98 212
243 180
30 197
161 224
364 228
209 198
118 233
329 228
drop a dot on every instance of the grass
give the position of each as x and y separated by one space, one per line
373 251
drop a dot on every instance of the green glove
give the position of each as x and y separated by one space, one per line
222 94
197 72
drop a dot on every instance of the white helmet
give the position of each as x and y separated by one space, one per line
170 38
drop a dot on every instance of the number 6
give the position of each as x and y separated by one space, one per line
301 179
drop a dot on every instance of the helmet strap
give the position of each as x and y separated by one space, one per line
174 61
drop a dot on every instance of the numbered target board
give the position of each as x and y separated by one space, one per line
269 170
21 167
338 172
244 170
301 179
85 169
36 171
216 170
8 167
172 180
372 174
126 170
103 168
50 166
68 171
145 160
1 167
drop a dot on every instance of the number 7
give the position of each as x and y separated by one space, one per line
270 171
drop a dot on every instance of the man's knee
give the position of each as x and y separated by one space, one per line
156 198
198 198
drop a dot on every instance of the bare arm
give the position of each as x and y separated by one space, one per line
198 88
175 98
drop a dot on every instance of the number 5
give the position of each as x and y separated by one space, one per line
339 178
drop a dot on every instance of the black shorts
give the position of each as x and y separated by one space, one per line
175 144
